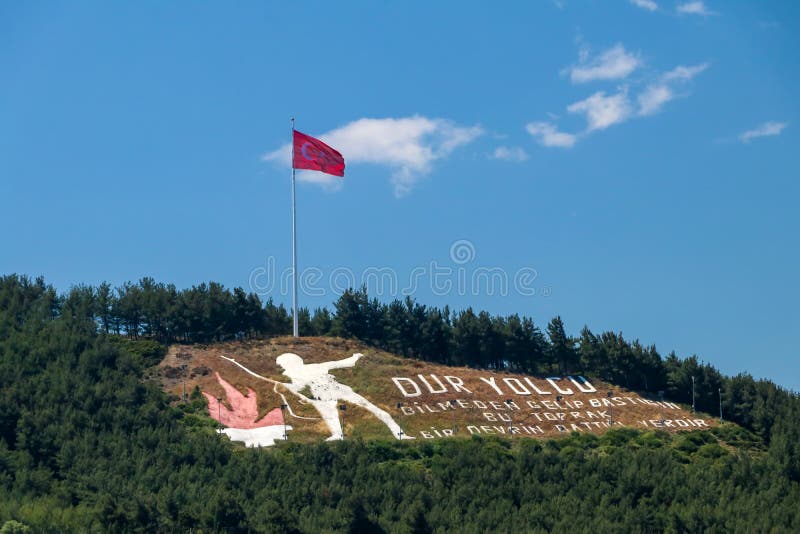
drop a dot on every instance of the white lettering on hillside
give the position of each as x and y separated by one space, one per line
597 412
492 381
457 384
414 387
398 381
523 405
442 388
552 381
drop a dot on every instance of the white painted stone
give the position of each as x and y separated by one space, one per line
257 437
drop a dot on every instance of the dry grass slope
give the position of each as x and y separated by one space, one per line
428 415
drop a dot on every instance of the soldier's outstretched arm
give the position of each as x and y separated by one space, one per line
347 362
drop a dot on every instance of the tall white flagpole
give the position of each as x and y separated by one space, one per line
295 323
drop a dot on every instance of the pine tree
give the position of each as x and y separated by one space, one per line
562 348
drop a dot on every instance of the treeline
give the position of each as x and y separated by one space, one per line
211 312
201 314
87 445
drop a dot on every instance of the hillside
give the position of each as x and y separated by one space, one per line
90 441
426 401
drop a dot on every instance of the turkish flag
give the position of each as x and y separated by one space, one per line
314 155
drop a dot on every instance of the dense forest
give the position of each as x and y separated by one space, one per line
87 445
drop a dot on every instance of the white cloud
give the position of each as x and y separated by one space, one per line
653 98
682 73
650 92
326 181
408 145
694 8
513 153
603 111
764 130
649 5
655 95
612 64
548 135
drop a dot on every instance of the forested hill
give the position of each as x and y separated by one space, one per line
211 313
90 442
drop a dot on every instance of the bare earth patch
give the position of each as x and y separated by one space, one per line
428 401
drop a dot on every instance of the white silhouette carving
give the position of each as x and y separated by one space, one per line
327 392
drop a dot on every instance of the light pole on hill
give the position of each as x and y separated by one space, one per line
400 409
453 407
283 416
510 418
343 409
183 370
219 413
611 407
692 393
559 398
661 406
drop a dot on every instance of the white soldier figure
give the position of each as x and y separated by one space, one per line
326 391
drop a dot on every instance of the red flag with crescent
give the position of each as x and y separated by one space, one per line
312 154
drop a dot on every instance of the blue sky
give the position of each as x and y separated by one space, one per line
629 165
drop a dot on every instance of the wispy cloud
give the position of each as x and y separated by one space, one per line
764 130
513 153
409 146
613 64
658 93
683 73
548 135
653 98
649 5
602 111
640 96
695 8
